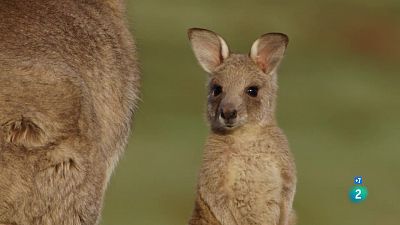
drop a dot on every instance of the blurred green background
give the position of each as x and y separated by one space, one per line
339 104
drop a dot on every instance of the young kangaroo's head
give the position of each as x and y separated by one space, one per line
242 87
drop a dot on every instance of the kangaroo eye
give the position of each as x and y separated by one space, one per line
252 91
216 90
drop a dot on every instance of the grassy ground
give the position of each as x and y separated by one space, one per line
339 103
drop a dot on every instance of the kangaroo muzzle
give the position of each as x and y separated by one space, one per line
228 115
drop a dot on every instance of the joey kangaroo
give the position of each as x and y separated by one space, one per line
69 83
248 175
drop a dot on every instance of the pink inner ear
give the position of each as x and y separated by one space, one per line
262 63
263 57
213 54
259 53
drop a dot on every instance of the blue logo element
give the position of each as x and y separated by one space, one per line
358 180
358 194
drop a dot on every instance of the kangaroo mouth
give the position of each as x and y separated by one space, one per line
226 124
224 127
229 125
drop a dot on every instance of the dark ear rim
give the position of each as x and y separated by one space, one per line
190 31
284 37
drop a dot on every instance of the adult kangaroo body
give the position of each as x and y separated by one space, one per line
68 88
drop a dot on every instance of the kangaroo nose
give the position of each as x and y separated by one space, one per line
229 114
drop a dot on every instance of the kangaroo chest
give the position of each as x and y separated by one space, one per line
242 169
248 173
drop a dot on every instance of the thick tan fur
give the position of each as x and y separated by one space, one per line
248 175
68 87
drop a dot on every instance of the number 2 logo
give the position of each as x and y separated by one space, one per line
358 194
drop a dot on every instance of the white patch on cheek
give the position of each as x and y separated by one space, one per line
220 119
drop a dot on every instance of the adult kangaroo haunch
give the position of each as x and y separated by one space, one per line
68 87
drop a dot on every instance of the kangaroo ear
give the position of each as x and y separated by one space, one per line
209 48
267 51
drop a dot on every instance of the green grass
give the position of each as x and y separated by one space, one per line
339 102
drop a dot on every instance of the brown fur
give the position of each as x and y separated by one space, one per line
248 175
68 86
